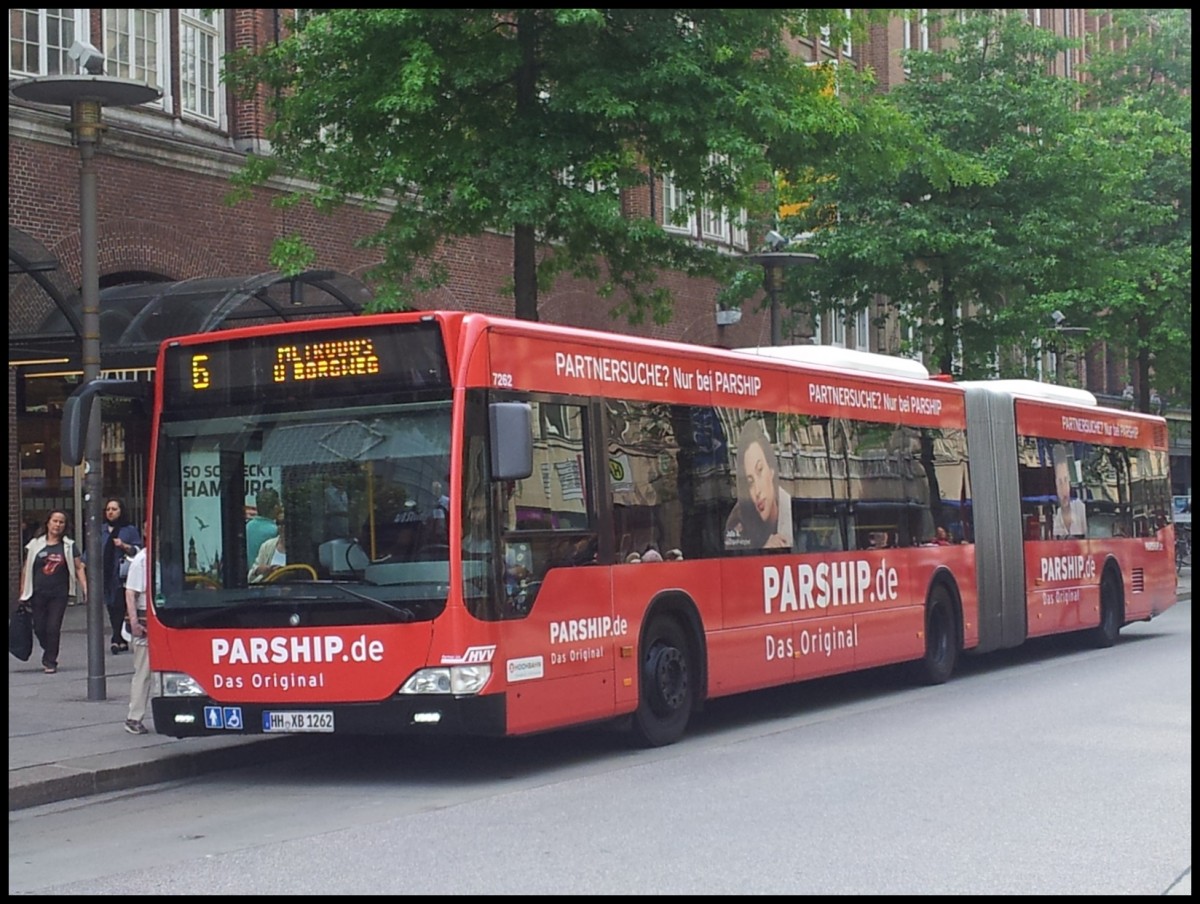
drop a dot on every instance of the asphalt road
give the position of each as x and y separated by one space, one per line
1053 769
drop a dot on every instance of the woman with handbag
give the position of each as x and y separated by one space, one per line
121 542
51 573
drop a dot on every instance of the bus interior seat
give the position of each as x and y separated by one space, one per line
342 556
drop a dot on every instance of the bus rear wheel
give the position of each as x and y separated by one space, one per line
941 638
665 685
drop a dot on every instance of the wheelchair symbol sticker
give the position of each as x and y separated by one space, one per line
233 718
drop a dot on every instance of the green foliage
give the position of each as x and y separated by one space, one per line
291 255
1140 101
529 122
990 215
1019 196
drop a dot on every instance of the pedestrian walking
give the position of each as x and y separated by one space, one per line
52 572
121 542
135 610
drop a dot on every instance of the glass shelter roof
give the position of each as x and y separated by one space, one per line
45 312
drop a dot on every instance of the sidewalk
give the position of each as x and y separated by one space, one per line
62 745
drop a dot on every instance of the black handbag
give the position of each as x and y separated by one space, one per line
20 633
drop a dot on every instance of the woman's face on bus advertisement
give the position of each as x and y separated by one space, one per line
760 482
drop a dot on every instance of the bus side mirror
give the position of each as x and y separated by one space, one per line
77 413
510 426
75 417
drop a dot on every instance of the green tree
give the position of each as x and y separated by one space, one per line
975 237
532 122
1140 97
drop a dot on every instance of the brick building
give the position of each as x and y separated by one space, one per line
163 171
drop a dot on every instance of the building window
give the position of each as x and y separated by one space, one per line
910 25
837 329
568 177
914 347
716 226
862 330
679 214
1068 32
199 53
739 237
38 40
134 40
304 16
713 225
919 25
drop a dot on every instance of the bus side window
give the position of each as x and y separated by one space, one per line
545 516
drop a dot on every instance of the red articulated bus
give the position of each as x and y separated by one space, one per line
454 523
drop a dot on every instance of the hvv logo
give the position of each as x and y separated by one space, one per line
473 656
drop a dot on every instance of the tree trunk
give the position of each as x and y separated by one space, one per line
1143 381
525 273
950 327
525 292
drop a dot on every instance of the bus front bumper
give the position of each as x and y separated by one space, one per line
184 717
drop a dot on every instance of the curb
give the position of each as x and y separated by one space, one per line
51 783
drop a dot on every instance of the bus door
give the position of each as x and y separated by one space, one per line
559 638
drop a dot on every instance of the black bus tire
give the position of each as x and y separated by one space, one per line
666 689
941 637
1106 633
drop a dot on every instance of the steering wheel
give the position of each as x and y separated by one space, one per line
202 582
286 570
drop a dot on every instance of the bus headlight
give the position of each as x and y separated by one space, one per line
456 679
177 684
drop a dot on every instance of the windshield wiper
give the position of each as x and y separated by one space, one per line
241 605
252 603
406 614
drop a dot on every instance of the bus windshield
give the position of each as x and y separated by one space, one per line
338 514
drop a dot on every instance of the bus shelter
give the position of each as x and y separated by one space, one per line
45 362
46 327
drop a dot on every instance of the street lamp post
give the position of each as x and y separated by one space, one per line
87 95
1062 334
773 264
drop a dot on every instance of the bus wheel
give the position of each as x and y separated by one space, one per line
941 638
1105 634
665 686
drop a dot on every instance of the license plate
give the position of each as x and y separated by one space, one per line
297 721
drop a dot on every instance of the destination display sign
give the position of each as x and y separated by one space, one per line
307 365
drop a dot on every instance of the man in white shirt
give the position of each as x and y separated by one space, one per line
135 611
